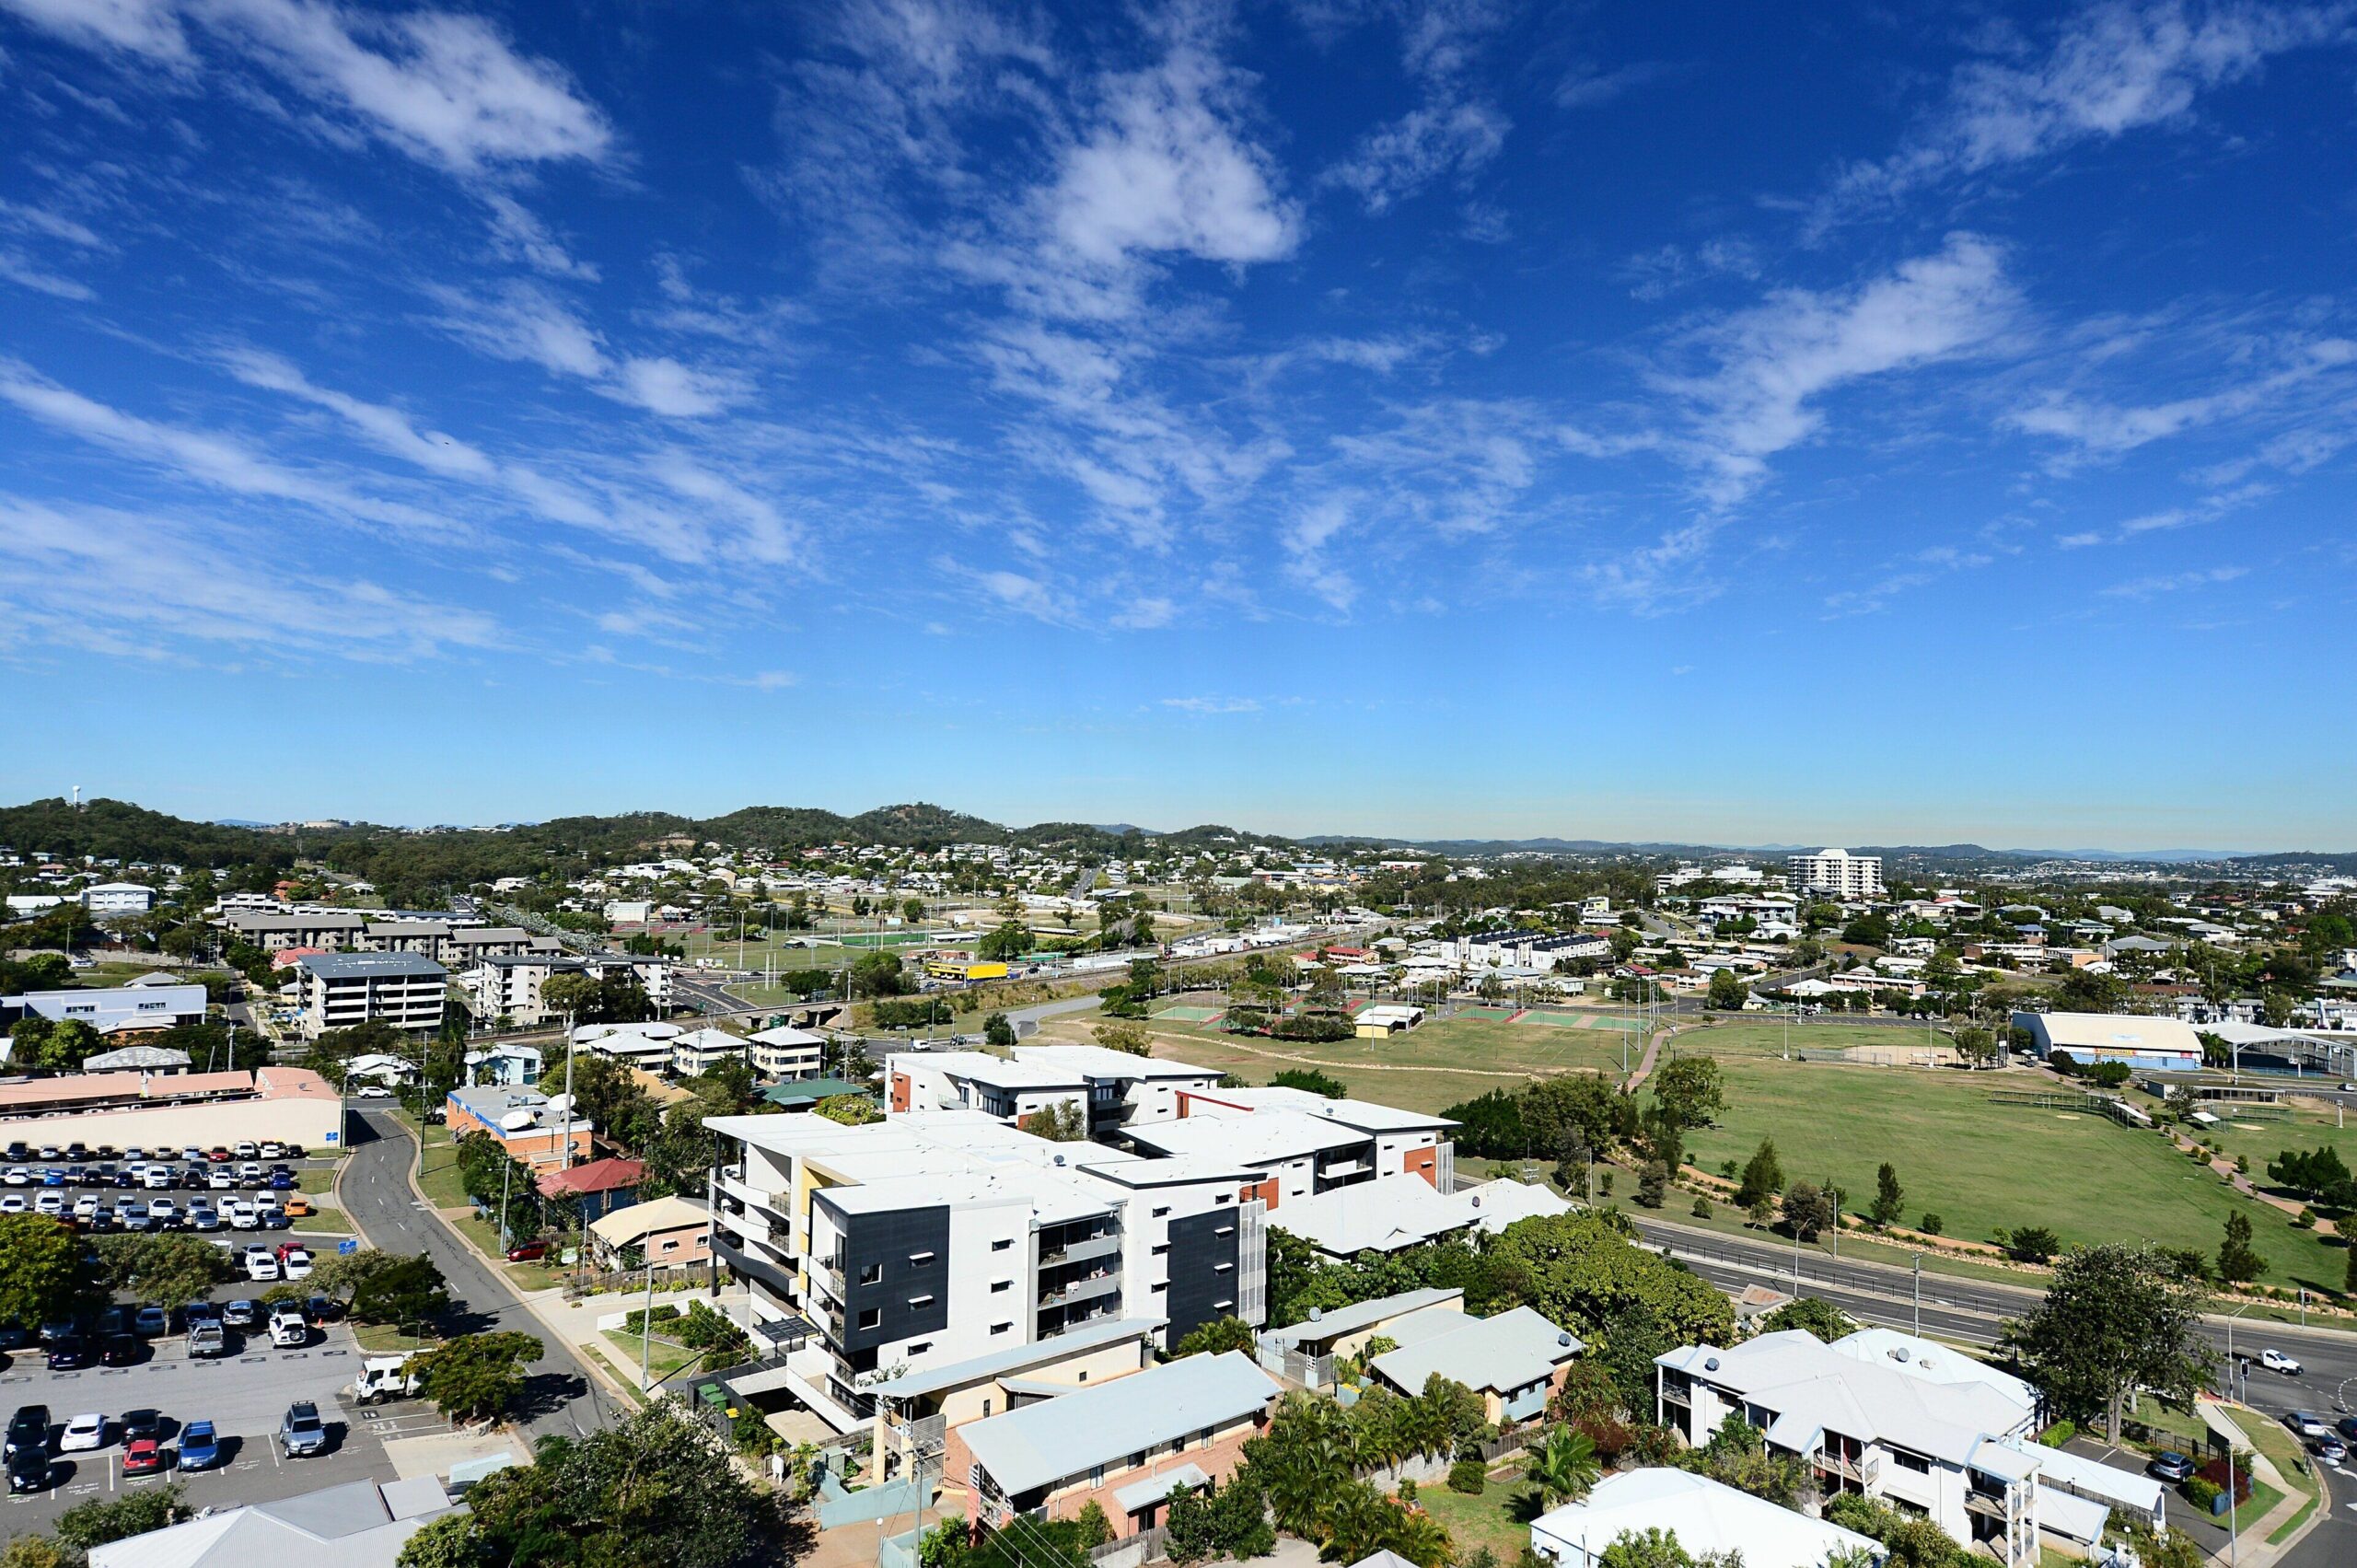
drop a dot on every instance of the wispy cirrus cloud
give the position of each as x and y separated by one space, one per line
2111 68
2174 582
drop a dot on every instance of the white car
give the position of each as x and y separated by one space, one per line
156 1178
246 1151
298 1264
51 1203
2308 1423
271 1151
14 1203
221 1179
18 1175
373 1091
238 1214
2276 1360
86 1205
260 1265
84 1435
288 1328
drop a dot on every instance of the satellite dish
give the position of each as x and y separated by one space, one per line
560 1104
1316 1314
516 1120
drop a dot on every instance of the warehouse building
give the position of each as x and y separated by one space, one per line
2155 1045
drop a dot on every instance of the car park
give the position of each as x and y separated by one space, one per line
220 1180
85 1206
323 1309
243 1313
151 1321
204 1216
164 1215
85 1433
29 1429
200 1447
2276 1360
50 1203
207 1340
131 1215
270 1217
302 1434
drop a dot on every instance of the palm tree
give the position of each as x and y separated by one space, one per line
1564 1467
1360 1522
1421 1539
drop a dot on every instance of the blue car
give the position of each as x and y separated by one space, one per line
52 1176
200 1447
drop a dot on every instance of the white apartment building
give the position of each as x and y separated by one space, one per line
785 1052
114 1009
1529 949
1299 1145
509 985
107 899
1117 1089
1839 873
270 931
1913 1424
699 1050
936 1236
336 991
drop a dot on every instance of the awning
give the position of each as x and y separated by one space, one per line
2077 1518
1154 1487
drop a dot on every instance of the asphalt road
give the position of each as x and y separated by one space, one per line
561 1398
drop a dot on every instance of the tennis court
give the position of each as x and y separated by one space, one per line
1189 1015
1581 1021
1501 1014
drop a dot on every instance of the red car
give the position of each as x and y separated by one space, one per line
529 1252
144 1457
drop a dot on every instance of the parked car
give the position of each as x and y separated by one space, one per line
243 1313
207 1340
29 1470
144 1457
120 1350
323 1309
270 1217
302 1434
200 1447
142 1423
2308 1423
150 1321
204 1216
2276 1360
2347 1427
297 1206
220 1180
288 1328
86 1434
528 1252
71 1353
29 1429
260 1265
296 1262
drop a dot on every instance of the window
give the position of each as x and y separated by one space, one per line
1907 1462
670 1247
1137 1459
997 1285
1225 1198
1203 1438
872 1319
920 1347
1160 1247
1096 1475
871 1273
1161 1286
1002 1244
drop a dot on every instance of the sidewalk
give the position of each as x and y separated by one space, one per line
2255 1549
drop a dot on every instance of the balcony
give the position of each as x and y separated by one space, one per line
1867 1469
1080 1289
1079 1251
829 1271
775 1282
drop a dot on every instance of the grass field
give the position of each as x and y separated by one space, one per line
1499 1518
1772 1040
2311 1125
1980 1167
1429 1068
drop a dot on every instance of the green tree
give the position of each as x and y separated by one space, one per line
1727 993
1062 1122
1653 1183
1808 1210
1124 1036
912 911
163 1270
1217 1337
1763 1177
99 1522
474 1377
2115 1317
42 1277
879 974
655 1491
407 1290
1310 1080
2237 1263
1578 1270
1814 1314
851 1110
1564 1467
1890 1199
1655 1548
997 1031
1691 1088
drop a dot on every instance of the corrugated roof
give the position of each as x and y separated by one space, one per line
1089 1336
1042 1444
1506 1352
358 966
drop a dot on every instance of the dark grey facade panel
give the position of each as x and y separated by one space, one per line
908 1249
1203 1261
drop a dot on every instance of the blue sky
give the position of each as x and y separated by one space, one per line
1736 423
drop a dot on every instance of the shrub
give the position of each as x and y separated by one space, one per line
1932 1224
2215 1474
2201 1493
1407 1491
1701 1208
2305 1220
2059 1435
1470 1477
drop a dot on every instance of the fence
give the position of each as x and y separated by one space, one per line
1132 1552
1309 1370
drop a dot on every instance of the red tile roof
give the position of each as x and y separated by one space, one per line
597 1176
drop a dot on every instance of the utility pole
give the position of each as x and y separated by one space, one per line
568 1092
1919 1295
646 1323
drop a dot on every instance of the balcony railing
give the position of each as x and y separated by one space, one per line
1865 1470
1081 1250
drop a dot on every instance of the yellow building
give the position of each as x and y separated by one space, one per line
968 971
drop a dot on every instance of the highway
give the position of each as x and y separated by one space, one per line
1969 1311
561 1399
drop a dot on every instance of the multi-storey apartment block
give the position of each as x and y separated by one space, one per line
937 1237
338 990
1117 1090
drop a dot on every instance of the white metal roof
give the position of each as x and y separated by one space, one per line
1042 1444
1705 1517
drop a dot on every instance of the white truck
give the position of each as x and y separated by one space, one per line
384 1377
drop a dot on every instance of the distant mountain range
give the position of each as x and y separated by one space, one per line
120 830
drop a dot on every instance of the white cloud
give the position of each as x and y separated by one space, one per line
116 581
529 325
2078 540
1305 540
1775 362
2098 429
518 234
663 386
2113 68
1585 86
149 28
2174 582
388 429
1438 141
1163 171
25 272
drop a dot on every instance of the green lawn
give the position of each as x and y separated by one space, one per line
1499 1518
1772 1037
663 1357
326 1222
383 1339
2282 1449
1981 1165
2311 1125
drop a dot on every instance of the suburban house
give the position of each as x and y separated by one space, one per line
595 1190
1124 1446
1910 1424
669 1233
1514 1360
361 1524
1392 1213
784 1053
698 1052
1706 1516
915 1410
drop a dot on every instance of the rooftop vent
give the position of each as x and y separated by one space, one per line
1712 1365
